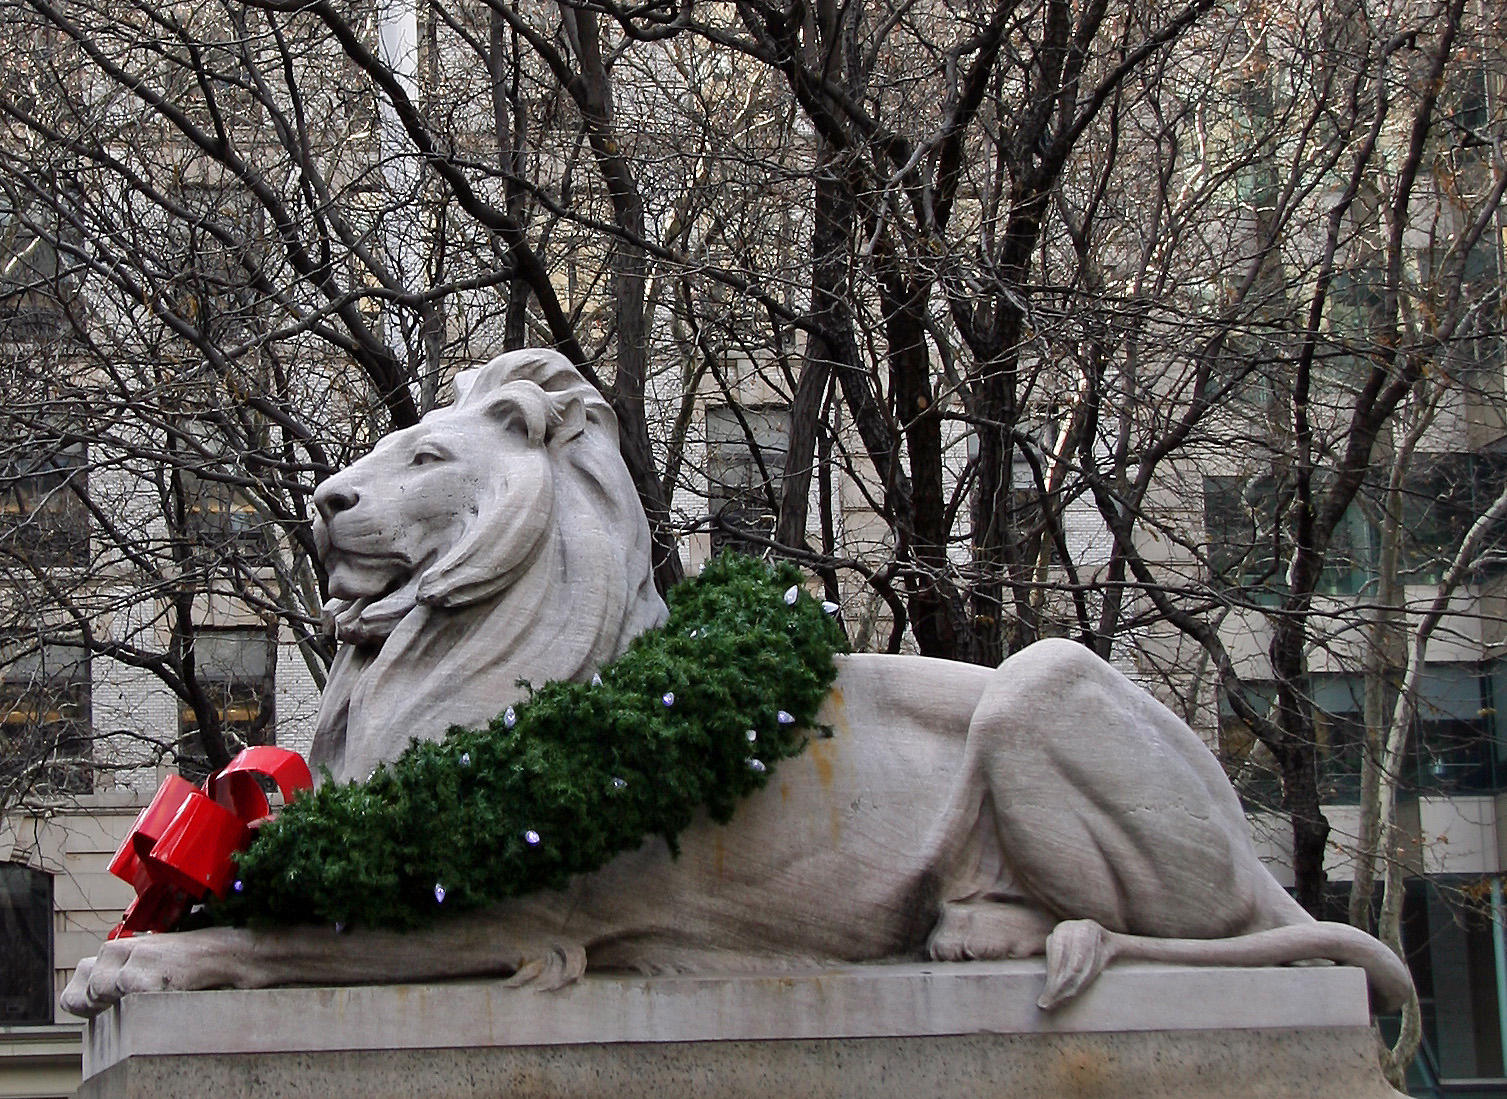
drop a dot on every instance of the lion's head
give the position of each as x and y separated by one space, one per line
499 539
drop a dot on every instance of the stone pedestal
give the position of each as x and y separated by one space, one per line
919 1031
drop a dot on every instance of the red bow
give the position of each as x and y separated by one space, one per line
182 845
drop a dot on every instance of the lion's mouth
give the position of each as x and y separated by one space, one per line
372 612
368 576
365 559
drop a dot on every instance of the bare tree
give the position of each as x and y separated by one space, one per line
1023 289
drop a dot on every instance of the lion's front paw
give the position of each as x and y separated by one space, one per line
75 998
556 966
122 967
151 963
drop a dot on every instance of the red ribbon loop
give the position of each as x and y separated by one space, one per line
182 846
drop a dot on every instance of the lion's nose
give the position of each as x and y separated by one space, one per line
331 499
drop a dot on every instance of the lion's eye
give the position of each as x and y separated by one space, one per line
427 457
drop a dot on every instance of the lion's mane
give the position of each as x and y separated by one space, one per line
549 579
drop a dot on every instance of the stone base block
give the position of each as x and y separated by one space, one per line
917 1031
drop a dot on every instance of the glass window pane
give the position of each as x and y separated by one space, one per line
743 479
236 671
220 517
43 518
233 654
1455 749
46 745
1459 997
25 945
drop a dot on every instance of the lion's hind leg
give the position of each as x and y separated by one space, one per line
978 930
984 928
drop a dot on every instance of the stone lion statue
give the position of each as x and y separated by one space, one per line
498 539
1045 807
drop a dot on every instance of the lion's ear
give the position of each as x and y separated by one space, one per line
522 406
569 420
464 382
546 418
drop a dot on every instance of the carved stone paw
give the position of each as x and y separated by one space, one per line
983 930
75 998
150 963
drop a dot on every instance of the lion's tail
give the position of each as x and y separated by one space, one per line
1390 983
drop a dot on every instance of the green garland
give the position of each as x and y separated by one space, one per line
696 713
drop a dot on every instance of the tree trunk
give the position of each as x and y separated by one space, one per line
1297 759
831 236
509 119
629 275
935 608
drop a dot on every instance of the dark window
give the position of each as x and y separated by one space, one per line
1243 544
211 287
1027 505
43 519
1339 727
220 517
1467 111
33 282
1455 745
1442 497
1454 739
46 744
745 461
1448 932
25 946
1250 767
1248 547
1337 703
235 669
1354 311
1350 564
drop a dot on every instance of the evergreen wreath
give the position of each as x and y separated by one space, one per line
695 713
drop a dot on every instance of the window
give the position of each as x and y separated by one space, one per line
25 946
1245 520
235 669
1448 933
43 519
1338 701
1250 768
1247 546
220 516
46 744
1028 508
1339 727
1447 937
1350 564
215 247
1353 310
1455 739
34 284
745 462
1456 745
1442 497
